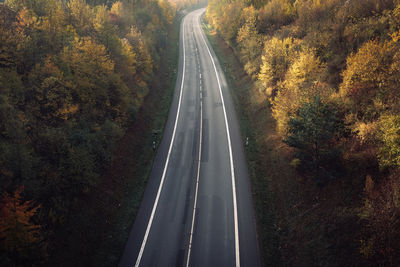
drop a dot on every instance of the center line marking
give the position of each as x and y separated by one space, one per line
235 215
197 181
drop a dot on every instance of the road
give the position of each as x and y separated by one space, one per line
197 208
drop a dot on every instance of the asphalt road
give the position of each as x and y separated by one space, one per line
197 208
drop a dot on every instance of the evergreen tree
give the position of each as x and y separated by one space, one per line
315 133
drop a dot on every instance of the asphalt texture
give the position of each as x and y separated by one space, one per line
187 216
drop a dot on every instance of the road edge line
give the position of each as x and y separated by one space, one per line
237 249
169 153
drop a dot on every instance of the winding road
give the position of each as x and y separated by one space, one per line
197 208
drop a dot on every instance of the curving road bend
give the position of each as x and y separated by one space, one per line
197 208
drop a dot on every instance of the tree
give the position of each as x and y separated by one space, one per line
230 22
380 214
366 80
18 234
275 14
88 71
389 154
277 57
81 16
303 81
143 63
249 41
315 133
107 32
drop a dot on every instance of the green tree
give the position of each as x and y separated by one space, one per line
315 133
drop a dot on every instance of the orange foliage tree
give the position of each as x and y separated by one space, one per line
18 234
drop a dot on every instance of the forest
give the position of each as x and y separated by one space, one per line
327 72
73 77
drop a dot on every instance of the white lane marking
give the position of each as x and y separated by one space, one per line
235 216
197 181
168 156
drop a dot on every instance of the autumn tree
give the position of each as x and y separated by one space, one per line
249 41
229 28
81 16
73 75
303 81
278 55
275 14
20 236
347 54
380 213
366 79
389 155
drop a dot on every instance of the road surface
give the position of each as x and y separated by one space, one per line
197 208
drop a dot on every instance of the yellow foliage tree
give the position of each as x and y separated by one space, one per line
303 81
81 15
367 77
277 57
168 10
249 41
144 63
91 70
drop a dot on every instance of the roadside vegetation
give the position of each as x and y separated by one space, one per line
318 91
83 87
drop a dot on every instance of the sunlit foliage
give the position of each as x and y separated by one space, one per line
303 81
73 75
347 53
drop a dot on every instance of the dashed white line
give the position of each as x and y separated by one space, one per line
235 216
197 181
168 156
